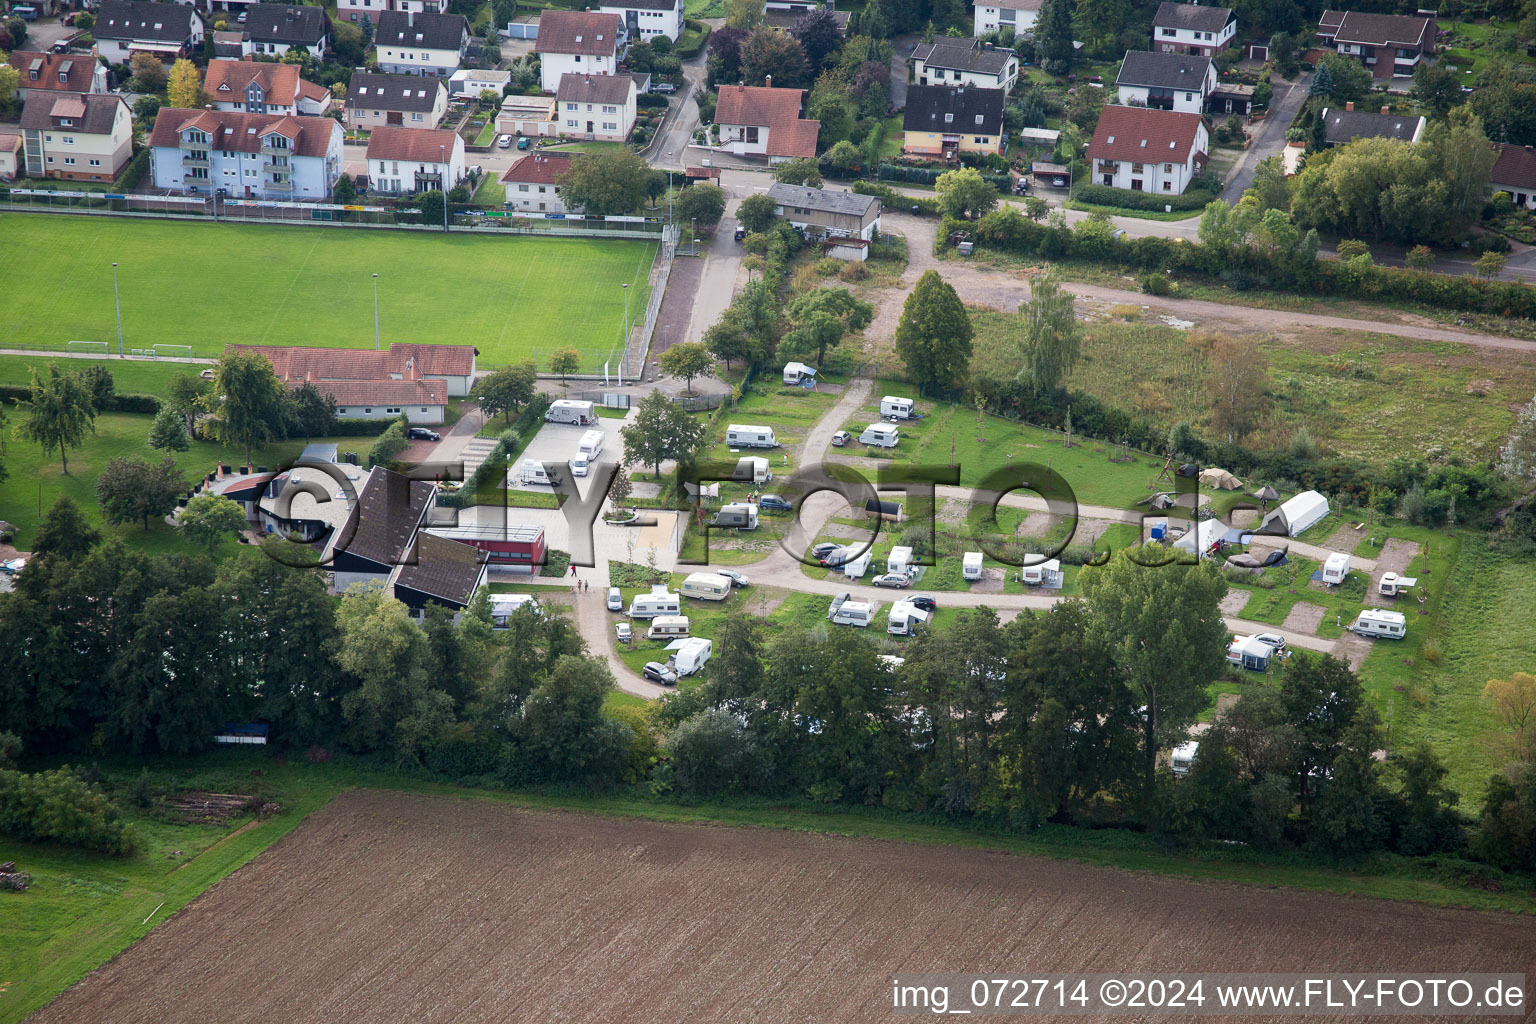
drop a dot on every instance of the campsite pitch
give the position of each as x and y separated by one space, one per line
208 285
385 907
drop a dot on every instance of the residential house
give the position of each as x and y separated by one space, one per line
380 531
77 136
1192 29
1514 172
797 7
414 160
10 155
578 42
823 213
42 73
596 107
420 44
970 62
527 115
469 83
764 121
250 156
1341 126
1166 81
439 571
946 120
452 365
126 27
231 46
995 15
1391 45
531 183
264 87
408 101
646 19
274 29
370 10
1148 150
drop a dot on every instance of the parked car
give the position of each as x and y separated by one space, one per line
741 233
824 549
522 143
1274 640
841 438
774 503
664 87
923 602
505 142
656 672
738 579
892 579
423 434
1059 181
1021 186
615 600
624 631
14 565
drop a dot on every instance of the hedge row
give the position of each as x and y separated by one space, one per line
893 200
360 428
693 47
121 402
1130 199
929 175
133 173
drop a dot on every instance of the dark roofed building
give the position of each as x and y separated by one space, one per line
1166 81
420 44
408 101
1341 126
126 27
1192 29
380 531
441 571
946 121
1515 172
273 29
1391 45
952 61
820 211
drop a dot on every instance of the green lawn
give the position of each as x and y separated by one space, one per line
207 285
131 376
490 192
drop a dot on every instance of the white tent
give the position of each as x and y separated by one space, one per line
1296 515
1200 540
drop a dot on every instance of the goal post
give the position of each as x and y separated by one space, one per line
164 349
89 346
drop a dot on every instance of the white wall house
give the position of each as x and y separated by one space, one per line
471 82
1019 15
369 10
578 43
414 160
646 19
262 87
274 29
262 156
126 27
1146 150
1166 81
407 43
596 107
969 62
76 136
531 183
409 101
1191 29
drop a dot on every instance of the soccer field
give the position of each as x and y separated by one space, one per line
209 285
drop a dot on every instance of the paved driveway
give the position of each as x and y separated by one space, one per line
1270 139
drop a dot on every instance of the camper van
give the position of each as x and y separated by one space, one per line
899 560
1251 653
752 470
799 374
855 568
896 408
504 606
904 618
970 565
1393 585
1381 623
706 586
663 626
531 472
1041 572
688 656
565 410
1183 757
738 514
587 451
739 435
880 435
657 602
1335 569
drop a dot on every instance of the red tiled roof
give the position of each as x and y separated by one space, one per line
382 392
778 110
583 32
1144 135
226 80
292 362
538 168
1515 166
240 132
81 68
420 145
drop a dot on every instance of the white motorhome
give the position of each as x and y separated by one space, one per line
897 408
752 470
688 656
880 435
566 410
739 514
706 586
904 618
657 602
668 625
746 435
1183 757
1040 572
587 451
1381 623
504 606
1335 569
855 568
1392 585
532 472
899 560
970 565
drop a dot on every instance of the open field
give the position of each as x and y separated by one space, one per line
207 285
471 911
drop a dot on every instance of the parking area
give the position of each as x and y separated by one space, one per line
557 442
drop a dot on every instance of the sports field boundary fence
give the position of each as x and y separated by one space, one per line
636 350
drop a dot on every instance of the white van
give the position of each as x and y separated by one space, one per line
1183 757
565 410
896 408
667 625
746 435
657 602
970 565
587 451
532 472
904 618
706 586
1335 569
880 435
899 560
1381 623
739 514
688 656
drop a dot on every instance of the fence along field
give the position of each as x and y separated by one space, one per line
210 285
479 912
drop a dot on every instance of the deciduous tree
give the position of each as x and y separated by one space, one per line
1237 383
687 360
246 403
801 170
184 88
132 489
934 335
756 212
64 531
702 204
169 433
60 412
506 390
772 52
1513 702
1050 341
564 361
605 184
965 193
208 518
148 72
661 430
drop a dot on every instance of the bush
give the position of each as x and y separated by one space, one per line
652 100
693 40
359 428
133 172
1156 284
1130 199
928 175
388 446
56 807
10 393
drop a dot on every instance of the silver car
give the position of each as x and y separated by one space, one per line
892 579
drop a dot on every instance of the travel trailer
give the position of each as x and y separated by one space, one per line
904 618
800 375
880 435
1393 585
896 408
739 435
663 626
706 586
1378 622
855 568
1040 573
657 602
970 565
1183 757
504 606
1251 653
531 472
587 451
688 656
753 470
738 514
847 612
899 560
1335 569
565 410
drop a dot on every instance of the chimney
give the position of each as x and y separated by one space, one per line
410 18
1350 105
768 81
1386 110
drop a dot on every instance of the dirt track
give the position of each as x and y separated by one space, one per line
385 907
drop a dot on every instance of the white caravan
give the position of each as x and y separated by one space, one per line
1392 585
1381 623
746 435
657 602
1036 574
668 625
532 472
753 470
847 612
899 560
1335 569
904 618
880 435
896 408
587 451
856 568
970 566
706 586
1183 757
688 656
738 514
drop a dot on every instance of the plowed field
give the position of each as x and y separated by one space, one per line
385 907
